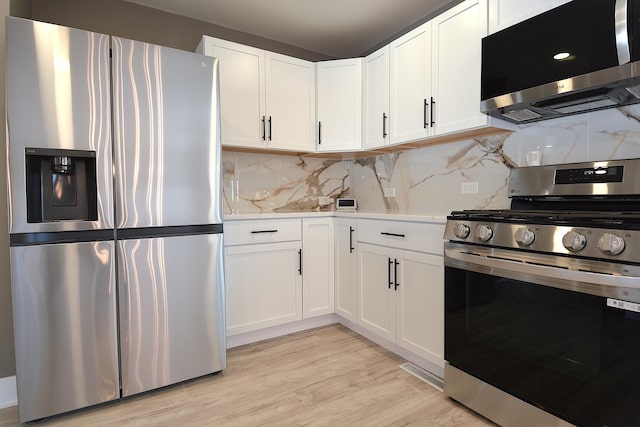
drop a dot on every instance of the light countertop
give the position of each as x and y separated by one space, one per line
339 214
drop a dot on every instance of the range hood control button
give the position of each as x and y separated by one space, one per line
461 231
574 241
610 244
524 236
483 232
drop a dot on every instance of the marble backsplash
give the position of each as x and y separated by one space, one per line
427 180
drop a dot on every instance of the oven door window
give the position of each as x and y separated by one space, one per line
563 351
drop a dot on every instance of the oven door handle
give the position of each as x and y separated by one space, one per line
600 284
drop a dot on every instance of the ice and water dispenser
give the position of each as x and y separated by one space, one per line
61 185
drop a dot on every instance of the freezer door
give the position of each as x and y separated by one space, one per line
64 308
171 296
166 136
58 97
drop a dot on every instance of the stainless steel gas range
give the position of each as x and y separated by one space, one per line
542 301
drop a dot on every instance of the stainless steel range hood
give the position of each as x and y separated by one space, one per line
575 58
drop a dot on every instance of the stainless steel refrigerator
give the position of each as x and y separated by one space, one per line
114 216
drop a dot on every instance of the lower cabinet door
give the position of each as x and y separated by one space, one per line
263 286
377 310
420 305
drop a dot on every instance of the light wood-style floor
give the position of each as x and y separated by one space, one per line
328 376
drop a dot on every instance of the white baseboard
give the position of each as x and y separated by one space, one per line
280 330
427 365
8 392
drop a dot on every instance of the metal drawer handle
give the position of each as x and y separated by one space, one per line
393 234
264 231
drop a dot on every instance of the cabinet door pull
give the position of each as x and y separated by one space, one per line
424 113
393 234
264 129
269 128
433 107
351 248
264 231
300 261
384 125
389 272
395 274
319 133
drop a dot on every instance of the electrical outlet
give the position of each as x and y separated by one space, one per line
324 200
390 192
469 188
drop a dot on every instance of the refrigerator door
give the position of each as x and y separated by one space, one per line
64 308
58 97
166 136
172 321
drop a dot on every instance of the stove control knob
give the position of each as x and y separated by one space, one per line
574 241
610 244
483 232
524 236
461 231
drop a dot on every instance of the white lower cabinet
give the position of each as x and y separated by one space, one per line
317 267
263 280
346 303
277 272
401 293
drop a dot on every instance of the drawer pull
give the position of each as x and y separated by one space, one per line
264 231
393 234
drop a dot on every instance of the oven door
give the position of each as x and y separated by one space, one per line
559 333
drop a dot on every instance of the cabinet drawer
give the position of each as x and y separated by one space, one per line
261 231
413 236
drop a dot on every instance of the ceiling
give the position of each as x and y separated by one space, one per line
336 28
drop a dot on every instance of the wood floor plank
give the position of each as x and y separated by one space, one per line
328 376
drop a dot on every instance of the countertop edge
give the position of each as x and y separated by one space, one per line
342 214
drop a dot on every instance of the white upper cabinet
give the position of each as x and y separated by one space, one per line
241 91
376 99
267 100
457 48
410 95
339 108
290 103
504 13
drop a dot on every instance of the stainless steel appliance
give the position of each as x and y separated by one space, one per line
581 56
114 292
542 301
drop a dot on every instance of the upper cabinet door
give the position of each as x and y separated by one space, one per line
376 102
339 105
290 94
242 103
504 13
411 85
457 47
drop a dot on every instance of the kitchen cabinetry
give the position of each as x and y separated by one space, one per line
504 13
410 85
457 47
263 278
317 267
346 304
339 105
376 99
267 100
401 285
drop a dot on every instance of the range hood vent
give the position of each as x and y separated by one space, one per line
572 59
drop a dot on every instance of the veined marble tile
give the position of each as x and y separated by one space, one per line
562 140
615 133
259 183
429 180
